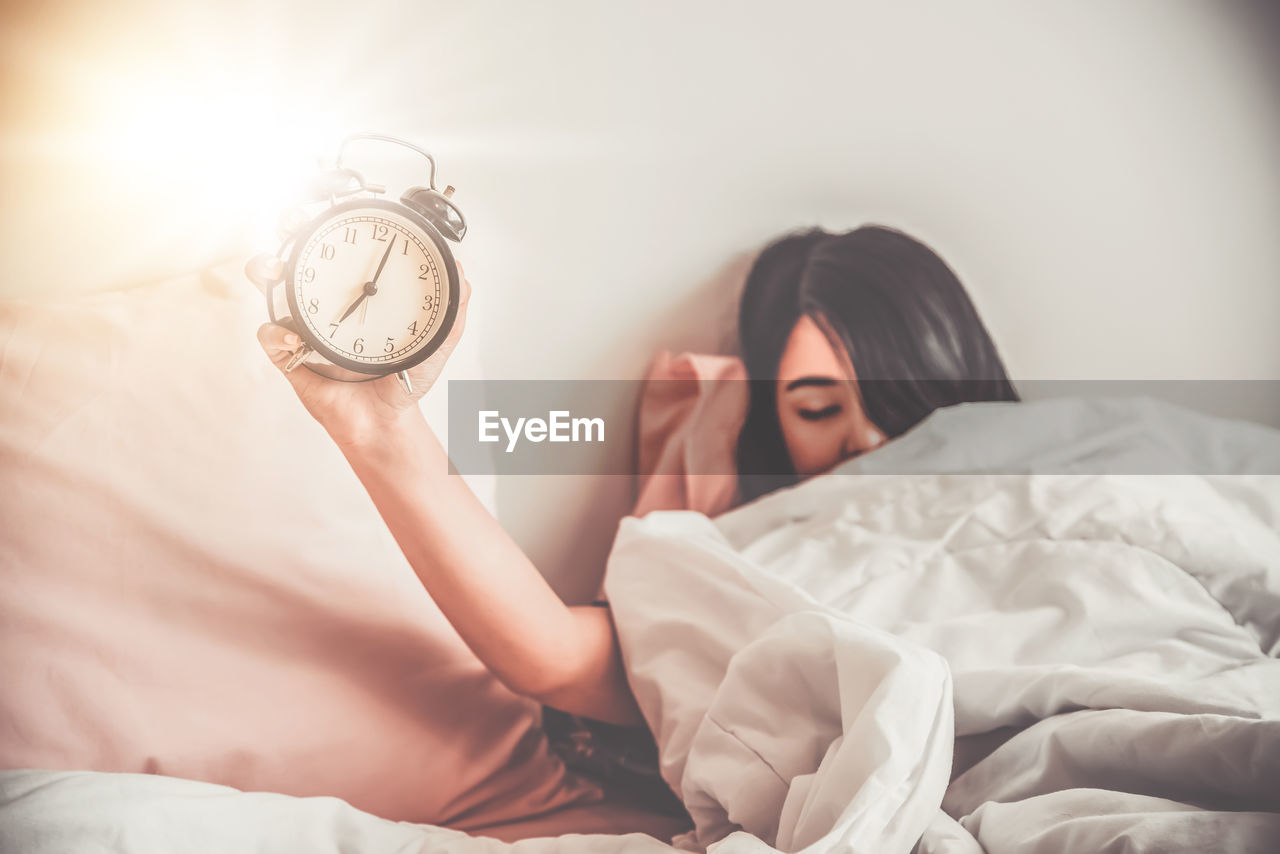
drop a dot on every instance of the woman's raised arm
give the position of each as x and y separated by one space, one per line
493 595
496 599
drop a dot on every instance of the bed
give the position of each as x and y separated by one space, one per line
1020 627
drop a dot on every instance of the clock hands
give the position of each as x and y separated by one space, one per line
369 290
371 286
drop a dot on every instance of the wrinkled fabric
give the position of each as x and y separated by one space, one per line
775 717
194 583
952 661
1111 638
690 413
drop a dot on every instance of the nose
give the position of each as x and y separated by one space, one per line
850 447
858 442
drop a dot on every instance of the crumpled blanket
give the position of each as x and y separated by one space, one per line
938 658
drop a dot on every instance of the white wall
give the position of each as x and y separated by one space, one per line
1105 177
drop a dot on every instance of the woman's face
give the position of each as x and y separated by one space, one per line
819 407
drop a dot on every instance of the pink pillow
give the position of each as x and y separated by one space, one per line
193 583
691 410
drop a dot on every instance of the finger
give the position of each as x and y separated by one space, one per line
459 324
278 343
463 303
460 319
466 284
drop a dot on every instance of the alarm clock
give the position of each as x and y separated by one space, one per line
370 285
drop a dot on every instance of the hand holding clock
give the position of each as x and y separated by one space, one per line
355 413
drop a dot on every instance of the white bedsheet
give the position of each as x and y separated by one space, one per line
1110 642
1112 639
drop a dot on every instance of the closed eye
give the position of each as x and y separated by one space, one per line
819 414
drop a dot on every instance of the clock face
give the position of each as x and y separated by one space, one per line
373 285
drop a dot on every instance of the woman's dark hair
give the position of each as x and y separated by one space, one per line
914 338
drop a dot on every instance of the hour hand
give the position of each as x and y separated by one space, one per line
369 289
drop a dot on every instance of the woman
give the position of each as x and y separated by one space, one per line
848 339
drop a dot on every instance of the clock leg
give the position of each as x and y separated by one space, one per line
302 353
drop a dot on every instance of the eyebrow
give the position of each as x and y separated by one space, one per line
804 381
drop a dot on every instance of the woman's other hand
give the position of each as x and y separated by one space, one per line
353 413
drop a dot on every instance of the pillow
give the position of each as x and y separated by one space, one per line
194 583
691 410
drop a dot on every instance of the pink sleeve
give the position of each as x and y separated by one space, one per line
690 413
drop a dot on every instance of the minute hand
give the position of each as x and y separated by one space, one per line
383 262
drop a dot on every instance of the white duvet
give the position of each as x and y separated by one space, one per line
1095 652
